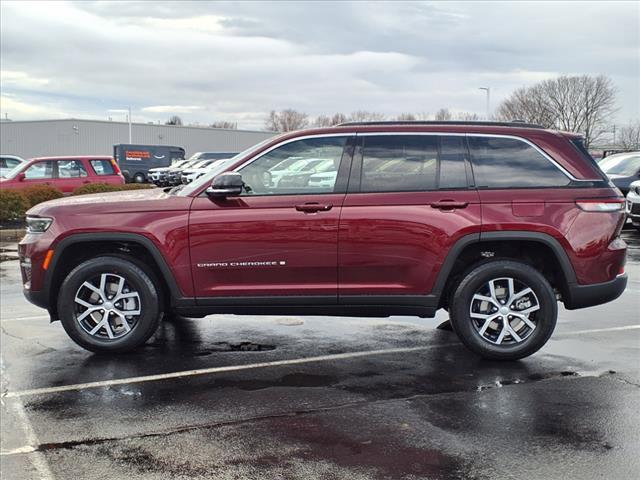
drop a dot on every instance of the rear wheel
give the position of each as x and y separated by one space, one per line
139 178
109 304
504 310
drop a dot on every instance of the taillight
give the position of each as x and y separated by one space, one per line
116 167
601 205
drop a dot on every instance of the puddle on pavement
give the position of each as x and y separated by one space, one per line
236 347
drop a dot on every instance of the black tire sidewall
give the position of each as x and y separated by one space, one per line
474 279
136 277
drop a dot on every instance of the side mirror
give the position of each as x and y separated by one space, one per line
21 176
227 184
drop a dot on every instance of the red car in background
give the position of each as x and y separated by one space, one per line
64 173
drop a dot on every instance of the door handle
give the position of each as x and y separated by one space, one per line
313 207
449 205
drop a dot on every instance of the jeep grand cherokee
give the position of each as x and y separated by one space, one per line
494 222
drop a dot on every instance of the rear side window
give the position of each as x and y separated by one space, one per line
399 163
452 163
102 167
71 169
512 163
410 163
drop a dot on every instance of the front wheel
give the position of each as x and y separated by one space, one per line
109 304
504 310
139 178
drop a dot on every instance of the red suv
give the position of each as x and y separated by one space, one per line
64 173
493 222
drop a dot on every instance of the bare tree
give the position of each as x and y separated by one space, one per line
339 118
406 117
365 116
577 104
468 117
322 121
224 124
174 120
286 120
629 137
443 115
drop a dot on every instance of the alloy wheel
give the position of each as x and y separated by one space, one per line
504 311
107 307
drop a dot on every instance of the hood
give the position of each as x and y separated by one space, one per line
159 169
153 199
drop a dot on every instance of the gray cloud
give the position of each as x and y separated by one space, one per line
239 60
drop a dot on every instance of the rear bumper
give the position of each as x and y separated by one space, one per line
582 296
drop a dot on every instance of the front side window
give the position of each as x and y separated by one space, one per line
71 169
39 170
295 168
102 167
511 163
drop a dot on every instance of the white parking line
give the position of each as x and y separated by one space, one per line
253 366
37 458
229 368
600 330
22 319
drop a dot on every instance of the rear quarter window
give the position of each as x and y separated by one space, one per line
102 167
512 163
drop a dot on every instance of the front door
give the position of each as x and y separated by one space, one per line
280 236
410 199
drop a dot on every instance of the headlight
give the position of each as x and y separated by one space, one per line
38 224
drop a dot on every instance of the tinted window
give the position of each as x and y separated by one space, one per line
396 163
39 170
102 167
452 166
511 163
71 169
294 168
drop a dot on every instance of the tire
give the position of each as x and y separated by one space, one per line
85 297
471 313
139 178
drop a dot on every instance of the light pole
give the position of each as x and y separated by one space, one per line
488 90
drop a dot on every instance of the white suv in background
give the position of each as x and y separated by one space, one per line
633 203
8 163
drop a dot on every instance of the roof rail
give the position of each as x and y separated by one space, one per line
514 123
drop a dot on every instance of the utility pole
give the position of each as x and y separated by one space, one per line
488 90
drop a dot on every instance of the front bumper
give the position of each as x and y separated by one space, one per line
582 296
39 299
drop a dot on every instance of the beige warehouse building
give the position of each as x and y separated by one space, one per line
40 138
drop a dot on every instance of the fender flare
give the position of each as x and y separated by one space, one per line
510 235
146 243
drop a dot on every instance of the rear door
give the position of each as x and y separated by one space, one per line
272 241
105 171
410 198
70 174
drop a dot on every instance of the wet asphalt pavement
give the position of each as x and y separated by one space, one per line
321 398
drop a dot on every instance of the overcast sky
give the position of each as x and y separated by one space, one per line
210 61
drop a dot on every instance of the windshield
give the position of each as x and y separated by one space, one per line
621 165
195 156
218 169
15 170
